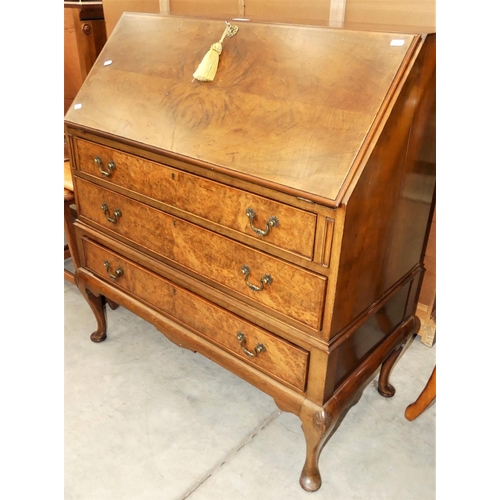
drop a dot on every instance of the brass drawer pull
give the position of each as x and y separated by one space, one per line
111 166
258 349
272 222
117 213
265 280
118 272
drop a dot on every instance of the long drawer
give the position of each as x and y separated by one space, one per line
275 356
210 200
280 286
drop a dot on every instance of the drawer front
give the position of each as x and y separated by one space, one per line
278 358
295 292
201 197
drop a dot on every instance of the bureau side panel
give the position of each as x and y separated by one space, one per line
413 214
359 343
385 231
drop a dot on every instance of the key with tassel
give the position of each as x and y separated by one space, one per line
208 67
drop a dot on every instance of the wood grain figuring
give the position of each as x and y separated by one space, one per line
294 291
200 169
281 359
202 197
292 331
303 133
330 130
286 398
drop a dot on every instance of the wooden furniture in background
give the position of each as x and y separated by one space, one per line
426 398
84 38
272 220
70 248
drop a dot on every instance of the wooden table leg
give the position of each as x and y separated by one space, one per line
427 396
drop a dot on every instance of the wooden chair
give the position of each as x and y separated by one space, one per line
70 250
426 398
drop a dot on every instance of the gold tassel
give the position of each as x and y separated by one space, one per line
208 67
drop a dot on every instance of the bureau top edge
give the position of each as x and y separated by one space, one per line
290 107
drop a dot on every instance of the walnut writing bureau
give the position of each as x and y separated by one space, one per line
272 220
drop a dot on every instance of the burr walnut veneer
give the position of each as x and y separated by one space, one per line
272 220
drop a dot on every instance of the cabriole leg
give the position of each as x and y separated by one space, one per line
317 427
384 387
98 305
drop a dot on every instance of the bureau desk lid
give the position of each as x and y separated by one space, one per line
290 106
